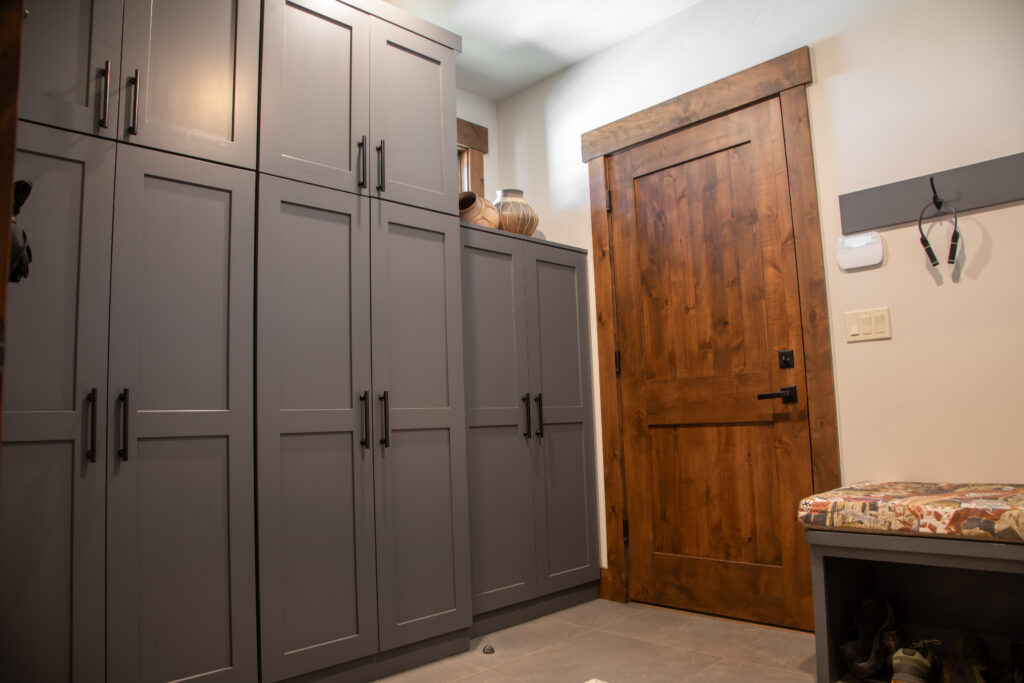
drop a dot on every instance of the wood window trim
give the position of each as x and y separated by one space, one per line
786 78
472 144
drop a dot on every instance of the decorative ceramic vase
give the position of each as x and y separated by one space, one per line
476 210
516 215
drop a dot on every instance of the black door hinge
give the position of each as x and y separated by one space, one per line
618 364
625 532
608 201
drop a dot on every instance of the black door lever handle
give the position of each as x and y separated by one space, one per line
787 394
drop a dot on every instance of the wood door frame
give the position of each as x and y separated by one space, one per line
785 78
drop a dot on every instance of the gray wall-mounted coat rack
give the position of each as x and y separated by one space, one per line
969 187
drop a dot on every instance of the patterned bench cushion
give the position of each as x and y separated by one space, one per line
977 511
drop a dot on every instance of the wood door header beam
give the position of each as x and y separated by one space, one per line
756 83
471 135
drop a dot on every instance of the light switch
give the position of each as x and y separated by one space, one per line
868 325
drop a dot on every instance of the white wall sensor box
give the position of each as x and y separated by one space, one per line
859 250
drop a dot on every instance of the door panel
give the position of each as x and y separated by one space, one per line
420 472
180 551
315 101
412 97
52 502
198 64
706 294
498 449
317 565
565 483
65 50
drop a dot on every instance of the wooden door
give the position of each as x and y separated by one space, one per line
419 478
705 289
564 481
197 65
315 100
180 531
412 125
499 450
54 471
71 64
318 597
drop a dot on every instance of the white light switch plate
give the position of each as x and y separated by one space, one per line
868 325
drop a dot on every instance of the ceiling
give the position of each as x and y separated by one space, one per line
510 44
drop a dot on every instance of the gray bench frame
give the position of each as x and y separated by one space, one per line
946 584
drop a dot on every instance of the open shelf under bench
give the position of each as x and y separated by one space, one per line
937 587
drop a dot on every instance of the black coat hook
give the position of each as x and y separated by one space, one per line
935 195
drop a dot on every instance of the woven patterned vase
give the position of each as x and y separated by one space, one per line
476 210
516 215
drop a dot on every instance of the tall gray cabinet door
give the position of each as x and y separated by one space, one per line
70 64
499 432
318 600
315 96
197 63
565 485
412 130
51 490
180 537
420 452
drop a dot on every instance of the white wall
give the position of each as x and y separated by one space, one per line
483 112
901 88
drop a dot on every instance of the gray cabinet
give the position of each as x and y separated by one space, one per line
357 103
318 597
54 451
533 507
71 64
362 478
419 445
181 76
180 533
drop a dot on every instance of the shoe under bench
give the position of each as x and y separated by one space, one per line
937 587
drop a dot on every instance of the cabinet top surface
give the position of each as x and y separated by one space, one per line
512 235
400 17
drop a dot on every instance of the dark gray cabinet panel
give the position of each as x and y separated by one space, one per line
314 454
197 64
419 440
180 532
566 485
412 98
533 508
66 49
52 496
498 451
314 101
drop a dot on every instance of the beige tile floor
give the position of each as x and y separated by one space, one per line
618 643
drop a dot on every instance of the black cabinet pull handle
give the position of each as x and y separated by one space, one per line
106 94
364 398
380 166
386 440
526 409
361 162
787 394
122 398
540 415
133 128
90 400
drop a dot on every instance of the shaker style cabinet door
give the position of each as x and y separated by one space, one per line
314 103
318 597
55 385
414 156
499 424
189 75
420 452
565 483
70 64
180 532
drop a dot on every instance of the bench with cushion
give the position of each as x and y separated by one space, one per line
947 557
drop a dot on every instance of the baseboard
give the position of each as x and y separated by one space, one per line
489 622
